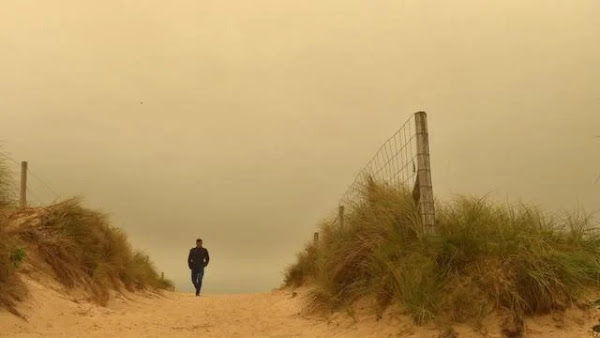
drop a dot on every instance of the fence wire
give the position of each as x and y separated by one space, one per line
39 192
394 164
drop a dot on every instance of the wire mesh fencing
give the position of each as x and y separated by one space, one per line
394 164
402 161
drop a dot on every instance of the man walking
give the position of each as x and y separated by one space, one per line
197 261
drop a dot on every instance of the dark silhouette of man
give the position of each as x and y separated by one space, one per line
197 261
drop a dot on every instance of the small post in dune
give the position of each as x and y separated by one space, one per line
23 195
341 215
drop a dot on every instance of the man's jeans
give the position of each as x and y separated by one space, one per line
197 275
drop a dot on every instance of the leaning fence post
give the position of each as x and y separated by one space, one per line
424 184
341 216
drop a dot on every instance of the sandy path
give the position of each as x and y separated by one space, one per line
275 314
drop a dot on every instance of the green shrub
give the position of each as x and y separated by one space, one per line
17 256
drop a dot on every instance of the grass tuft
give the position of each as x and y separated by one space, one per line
82 249
76 245
12 290
7 197
514 259
79 248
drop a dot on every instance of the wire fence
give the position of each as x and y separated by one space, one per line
39 192
402 161
394 164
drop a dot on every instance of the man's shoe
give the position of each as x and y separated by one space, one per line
197 292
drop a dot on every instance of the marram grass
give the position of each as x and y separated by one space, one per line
484 257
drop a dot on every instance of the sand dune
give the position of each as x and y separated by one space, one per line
50 313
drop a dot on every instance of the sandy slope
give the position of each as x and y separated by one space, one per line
276 314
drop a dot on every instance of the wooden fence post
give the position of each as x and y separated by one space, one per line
23 195
424 184
316 238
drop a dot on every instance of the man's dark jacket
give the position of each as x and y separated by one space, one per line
198 258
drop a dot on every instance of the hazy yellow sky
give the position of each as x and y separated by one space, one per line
243 121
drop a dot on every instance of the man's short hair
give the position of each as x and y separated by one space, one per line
198 240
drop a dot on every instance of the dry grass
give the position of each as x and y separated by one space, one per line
298 274
76 246
6 185
12 290
81 249
485 257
